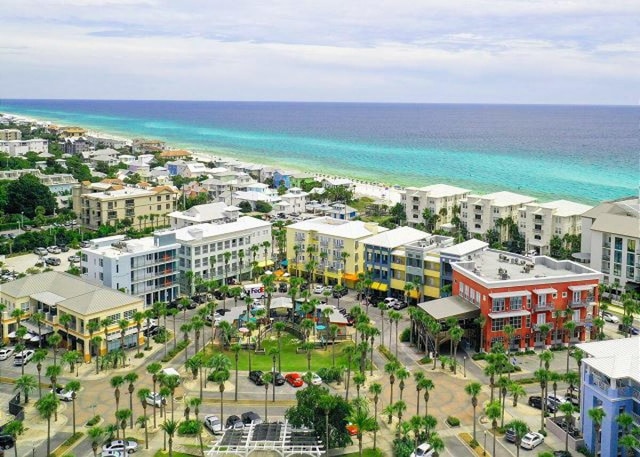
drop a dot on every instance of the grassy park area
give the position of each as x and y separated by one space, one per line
290 359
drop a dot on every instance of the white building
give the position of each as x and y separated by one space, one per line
10 134
480 213
294 201
21 147
539 222
437 198
611 236
203 249
210 213
145 267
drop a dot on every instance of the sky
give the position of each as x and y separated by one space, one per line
431 51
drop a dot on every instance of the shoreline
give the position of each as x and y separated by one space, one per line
373 188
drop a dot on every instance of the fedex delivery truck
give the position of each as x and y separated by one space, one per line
253 291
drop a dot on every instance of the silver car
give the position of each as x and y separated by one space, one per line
120 445
214 424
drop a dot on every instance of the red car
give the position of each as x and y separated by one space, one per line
294 379
352 429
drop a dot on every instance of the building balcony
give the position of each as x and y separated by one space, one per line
548 306
536 327
582 303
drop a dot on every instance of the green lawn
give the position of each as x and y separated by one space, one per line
291 361
366 453
162 453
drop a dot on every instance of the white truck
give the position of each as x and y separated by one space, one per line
255 291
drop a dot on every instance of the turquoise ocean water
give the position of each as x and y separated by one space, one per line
582 153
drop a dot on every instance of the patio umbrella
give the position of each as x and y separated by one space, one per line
243 330
320 327
11 335
28 336
268 272
34 339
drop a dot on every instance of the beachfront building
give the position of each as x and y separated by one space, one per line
481 213
291 202
186 169
611 239
55 294
528 293
438 199
540 222
145 267
610 380
21 147
328 183
58 183
10 134
256 192
72 132
455 253
139 206
141 145
76 146
221 252
404 262
174 154
331 249
209 213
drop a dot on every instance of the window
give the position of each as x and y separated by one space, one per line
129 314
515 321
515 303
497 325
498 305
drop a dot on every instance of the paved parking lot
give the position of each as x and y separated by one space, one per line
22 263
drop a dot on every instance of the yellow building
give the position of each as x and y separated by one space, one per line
141 206
73 132
55 294
331 248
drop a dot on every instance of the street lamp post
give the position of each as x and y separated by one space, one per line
464 364
484 448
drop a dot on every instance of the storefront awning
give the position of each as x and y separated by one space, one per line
509 294
509 314
548 290
350 277
264 263
582 287
379 286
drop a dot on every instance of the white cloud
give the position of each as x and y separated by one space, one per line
469 50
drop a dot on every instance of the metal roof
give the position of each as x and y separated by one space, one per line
454 306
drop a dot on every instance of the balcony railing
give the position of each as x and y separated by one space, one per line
548 306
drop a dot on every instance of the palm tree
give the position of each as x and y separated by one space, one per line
542 376
395 316
65 321
171 382
122 416
38 357
153 369
402 374
349 351
567 409
221 376
143 393
131 378
138 317
375 389
391 368
570 327
473 390
96 434
308 347
170 427
117 382
26 384
456 333
14 428
97 341
364 422
503 383
516 391
399 408
54 341
359 379
596 415
427 385
493 412
73 387
520 429
47 406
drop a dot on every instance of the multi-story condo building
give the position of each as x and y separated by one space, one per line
209 213
72 132
293 201
527 292
611 237
55 294
222 252
145 267
456 253
333 247
481 213
21 147
10 134
540 222
610 380
405 256
440 199
140 206
57 183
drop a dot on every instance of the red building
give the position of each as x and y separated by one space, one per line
527 292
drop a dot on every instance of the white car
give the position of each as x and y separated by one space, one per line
121 446
5 353
555 401
608 317
531 440
112 454
318 289
315 379
328 289
214 424
23 357
155 399
54 250
62 394
424 450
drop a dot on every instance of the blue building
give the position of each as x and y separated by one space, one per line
610 379
456 253
281 178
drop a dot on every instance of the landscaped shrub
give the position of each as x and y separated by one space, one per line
453 421
162 336
403 447
479 356
93 421
330 374
405 336
584 451
387 353
190 427
173 352
425 360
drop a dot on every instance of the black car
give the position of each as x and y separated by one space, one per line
64 247
340 292
6 441
199 298
282 287
257 377
350 320
152 331
562 454
510 435
400 305
219 295
250 417
234 422
535 401
278 379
